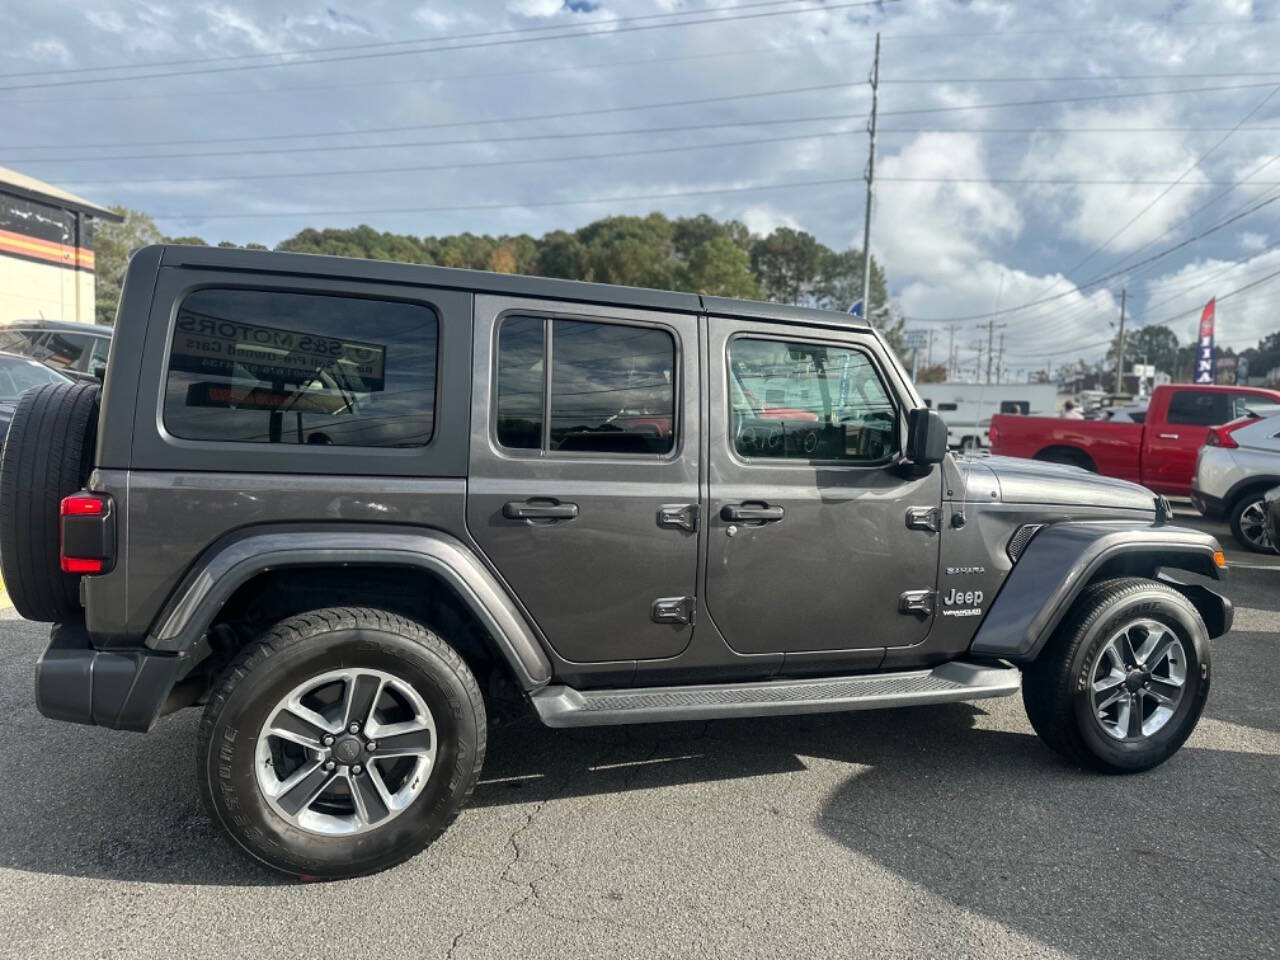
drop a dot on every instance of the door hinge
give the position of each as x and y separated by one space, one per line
681 516
917 602
924 518
673 610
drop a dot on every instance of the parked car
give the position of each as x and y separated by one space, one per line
77 349
17 376
355 508
1238 464
1160 452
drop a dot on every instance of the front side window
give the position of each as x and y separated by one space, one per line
255 366
802 401
1200 408
612 387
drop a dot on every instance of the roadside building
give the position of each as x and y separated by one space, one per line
46 251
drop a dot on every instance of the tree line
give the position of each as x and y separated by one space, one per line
697 254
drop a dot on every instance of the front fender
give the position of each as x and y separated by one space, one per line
233 561
1063 558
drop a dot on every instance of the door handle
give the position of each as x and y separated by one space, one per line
751 510
539 510
1168 436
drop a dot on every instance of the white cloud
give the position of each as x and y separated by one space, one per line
1093 213
1251 241
766 219
49 50
933 229
536 8
1241 319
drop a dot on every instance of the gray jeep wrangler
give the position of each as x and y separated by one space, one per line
355 509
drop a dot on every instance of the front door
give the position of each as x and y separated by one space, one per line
583 487
809 547
1169 460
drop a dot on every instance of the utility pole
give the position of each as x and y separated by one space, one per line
1000 362
870 177
1120 353
977 366
951 351
929 352
991 334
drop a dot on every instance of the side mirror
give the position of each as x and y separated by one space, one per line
926 436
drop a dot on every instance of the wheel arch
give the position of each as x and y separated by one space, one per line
239 567
1071 555
1068 454
1260 483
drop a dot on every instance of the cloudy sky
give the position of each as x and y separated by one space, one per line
1033 156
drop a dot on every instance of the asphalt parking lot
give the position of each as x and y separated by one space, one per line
941 831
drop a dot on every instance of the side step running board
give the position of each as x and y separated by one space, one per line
561 706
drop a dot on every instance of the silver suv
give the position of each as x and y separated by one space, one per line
1239 463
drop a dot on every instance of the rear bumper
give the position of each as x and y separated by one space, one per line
1209 506
122 689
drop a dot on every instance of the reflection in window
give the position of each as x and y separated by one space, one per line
803 401
268 367
612 387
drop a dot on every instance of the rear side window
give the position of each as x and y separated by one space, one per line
252 366
1200 408
946 407
612 387
29 343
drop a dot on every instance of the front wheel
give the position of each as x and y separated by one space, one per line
1122 683
341 743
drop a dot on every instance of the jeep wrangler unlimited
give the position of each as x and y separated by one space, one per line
353 508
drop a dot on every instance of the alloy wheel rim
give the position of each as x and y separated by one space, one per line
1137 680
1253 524
345 752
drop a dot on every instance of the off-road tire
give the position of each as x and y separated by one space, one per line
48 455
311 644
1056 689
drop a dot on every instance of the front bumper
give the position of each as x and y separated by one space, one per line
123 689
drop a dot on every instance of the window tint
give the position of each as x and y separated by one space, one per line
1015 406
66 350
521 382
807 402
612 387
1200 408
263 367
26 342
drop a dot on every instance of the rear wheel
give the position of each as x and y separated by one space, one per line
341 743
1249 523
1122 683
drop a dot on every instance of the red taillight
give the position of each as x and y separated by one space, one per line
993 434
81 565
1221 436
83 505
86 534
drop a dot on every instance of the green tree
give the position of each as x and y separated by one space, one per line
1157 344
719 267
562 254
633 251
788 264
932 374
112 245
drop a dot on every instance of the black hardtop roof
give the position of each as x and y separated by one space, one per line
480 281
61 326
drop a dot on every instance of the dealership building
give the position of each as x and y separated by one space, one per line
46 251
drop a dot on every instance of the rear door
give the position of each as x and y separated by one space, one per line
1169 460
583 485
810 546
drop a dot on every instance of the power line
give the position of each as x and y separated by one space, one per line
451 124
581 201
1066 293
635 28
383 44
699 126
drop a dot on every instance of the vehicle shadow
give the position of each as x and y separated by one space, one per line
989 820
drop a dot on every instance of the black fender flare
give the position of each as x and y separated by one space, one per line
1063 558
234 560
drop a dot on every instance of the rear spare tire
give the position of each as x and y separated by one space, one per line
47 455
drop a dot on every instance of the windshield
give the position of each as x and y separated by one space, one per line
17 376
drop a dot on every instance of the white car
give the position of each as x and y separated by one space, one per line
1236 467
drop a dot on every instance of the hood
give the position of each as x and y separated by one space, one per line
1032 481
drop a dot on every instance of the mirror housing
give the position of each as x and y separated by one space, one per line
926 436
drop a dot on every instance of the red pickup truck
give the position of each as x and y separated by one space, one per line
1160 452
